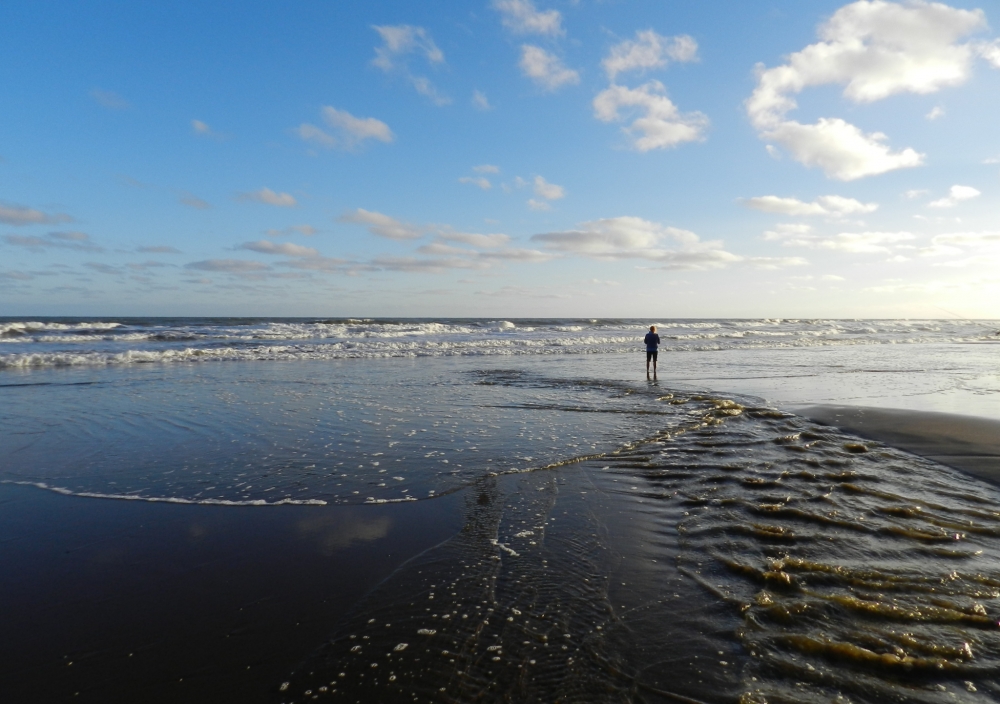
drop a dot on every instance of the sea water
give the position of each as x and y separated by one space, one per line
623 538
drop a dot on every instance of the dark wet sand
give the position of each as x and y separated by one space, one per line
967 443
129 601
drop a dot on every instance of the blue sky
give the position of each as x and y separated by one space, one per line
500 158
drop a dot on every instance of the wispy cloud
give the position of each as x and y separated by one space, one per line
936 112
202 129
158 249
102 268
548 191
230 266
19 215
350 131
480 101
956 194
307 230
193 201
851 242
649 50
635 238
382 225
480 181
109 99
546 69
288 249
59 240
833 206
474 239
486 169
398 43
522 17
269 197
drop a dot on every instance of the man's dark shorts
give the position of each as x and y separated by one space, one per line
650 355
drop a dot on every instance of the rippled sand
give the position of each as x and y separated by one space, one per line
748 554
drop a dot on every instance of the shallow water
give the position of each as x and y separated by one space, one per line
575 533
740 553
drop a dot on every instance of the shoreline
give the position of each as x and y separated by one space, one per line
967 443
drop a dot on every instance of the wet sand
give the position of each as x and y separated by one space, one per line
128 601
967 443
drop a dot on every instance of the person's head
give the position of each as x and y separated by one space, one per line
652 328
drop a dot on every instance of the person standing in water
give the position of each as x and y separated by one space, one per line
652 341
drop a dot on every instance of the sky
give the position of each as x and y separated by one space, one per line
500 158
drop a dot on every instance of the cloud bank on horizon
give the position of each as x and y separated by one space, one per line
712 163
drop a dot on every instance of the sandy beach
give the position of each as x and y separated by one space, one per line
507 526
968 443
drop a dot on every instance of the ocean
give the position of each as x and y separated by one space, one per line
293 510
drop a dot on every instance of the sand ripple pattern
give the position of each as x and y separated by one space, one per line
743 555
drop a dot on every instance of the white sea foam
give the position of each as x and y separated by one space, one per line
167 499
100 343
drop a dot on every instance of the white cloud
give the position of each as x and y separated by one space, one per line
425 266
193 201
398 42
956 243
307 230
19 215
840 149
480 101
287 249
548 191
915 193
269 197
773 263
474 239
109 99
835 206
351 131
851 242
357 128
231 266
60 240
991 52
382 225
634 238
326 264
202 129
480 181
314 135
546 69
517 255
441 249
486 169
875 49
936 112
968 239
659 126
158 249
70 236
522 17
956 194
401 40
787 229
649 50
538 204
